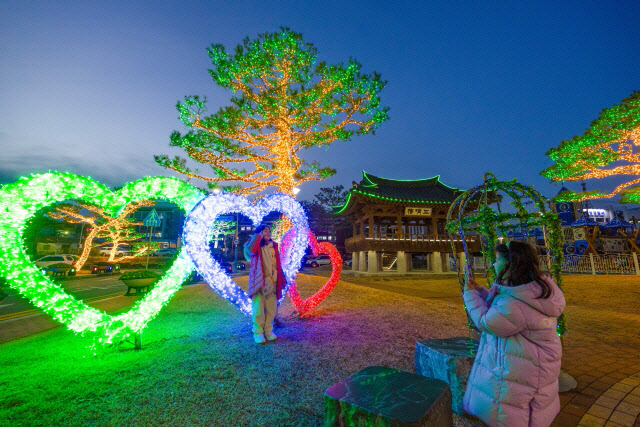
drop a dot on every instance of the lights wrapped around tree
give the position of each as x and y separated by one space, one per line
117 230
304 307
472 212
197 234
613 138
284 101
222 228
21 200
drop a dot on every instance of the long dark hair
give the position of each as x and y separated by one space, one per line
522 266
259 230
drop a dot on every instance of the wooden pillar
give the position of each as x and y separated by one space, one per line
371 219
399 222
372 262
434 224
436 264
355 261
401 262
462 261
363 261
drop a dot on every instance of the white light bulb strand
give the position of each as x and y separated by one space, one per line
201 219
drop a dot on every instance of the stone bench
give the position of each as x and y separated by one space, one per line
449 360
383 396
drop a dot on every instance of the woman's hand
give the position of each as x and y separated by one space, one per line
471 284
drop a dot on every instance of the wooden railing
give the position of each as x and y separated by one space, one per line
414 242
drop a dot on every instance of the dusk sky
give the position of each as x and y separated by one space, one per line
91 87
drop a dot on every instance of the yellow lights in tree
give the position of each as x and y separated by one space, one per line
609 147
283 103
117 229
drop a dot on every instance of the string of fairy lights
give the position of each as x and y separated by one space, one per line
304 307
197 234
283 103
21 200
607 148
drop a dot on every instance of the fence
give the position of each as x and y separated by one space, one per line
587 264
597 264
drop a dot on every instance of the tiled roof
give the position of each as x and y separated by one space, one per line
429 190
419 190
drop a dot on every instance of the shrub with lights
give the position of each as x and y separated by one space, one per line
116 229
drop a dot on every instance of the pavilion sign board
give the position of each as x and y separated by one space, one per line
417 211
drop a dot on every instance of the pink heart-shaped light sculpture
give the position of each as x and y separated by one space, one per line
303 307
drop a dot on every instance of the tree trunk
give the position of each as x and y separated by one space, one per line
86 250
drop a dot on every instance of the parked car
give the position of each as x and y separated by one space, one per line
120 251
56 259
59 269
166 252
241 265
226 266
104 267
319 260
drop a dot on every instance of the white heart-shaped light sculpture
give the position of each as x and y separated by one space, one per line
197 234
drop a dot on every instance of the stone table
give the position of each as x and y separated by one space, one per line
380 396
449 360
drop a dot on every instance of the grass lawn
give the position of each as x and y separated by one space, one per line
199 365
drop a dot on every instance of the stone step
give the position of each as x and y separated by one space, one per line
383 396
449 360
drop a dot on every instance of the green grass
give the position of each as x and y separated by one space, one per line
199 365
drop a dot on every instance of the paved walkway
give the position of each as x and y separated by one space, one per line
607 368
601 351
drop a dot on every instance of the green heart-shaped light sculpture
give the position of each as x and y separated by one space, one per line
21 200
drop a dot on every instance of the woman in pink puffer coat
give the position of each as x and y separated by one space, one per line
514 379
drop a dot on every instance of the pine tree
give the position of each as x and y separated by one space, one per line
283 102
613 138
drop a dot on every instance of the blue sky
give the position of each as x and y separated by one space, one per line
91 87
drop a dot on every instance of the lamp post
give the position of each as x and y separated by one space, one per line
236 243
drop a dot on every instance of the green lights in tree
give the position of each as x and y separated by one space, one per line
609 147
284 101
